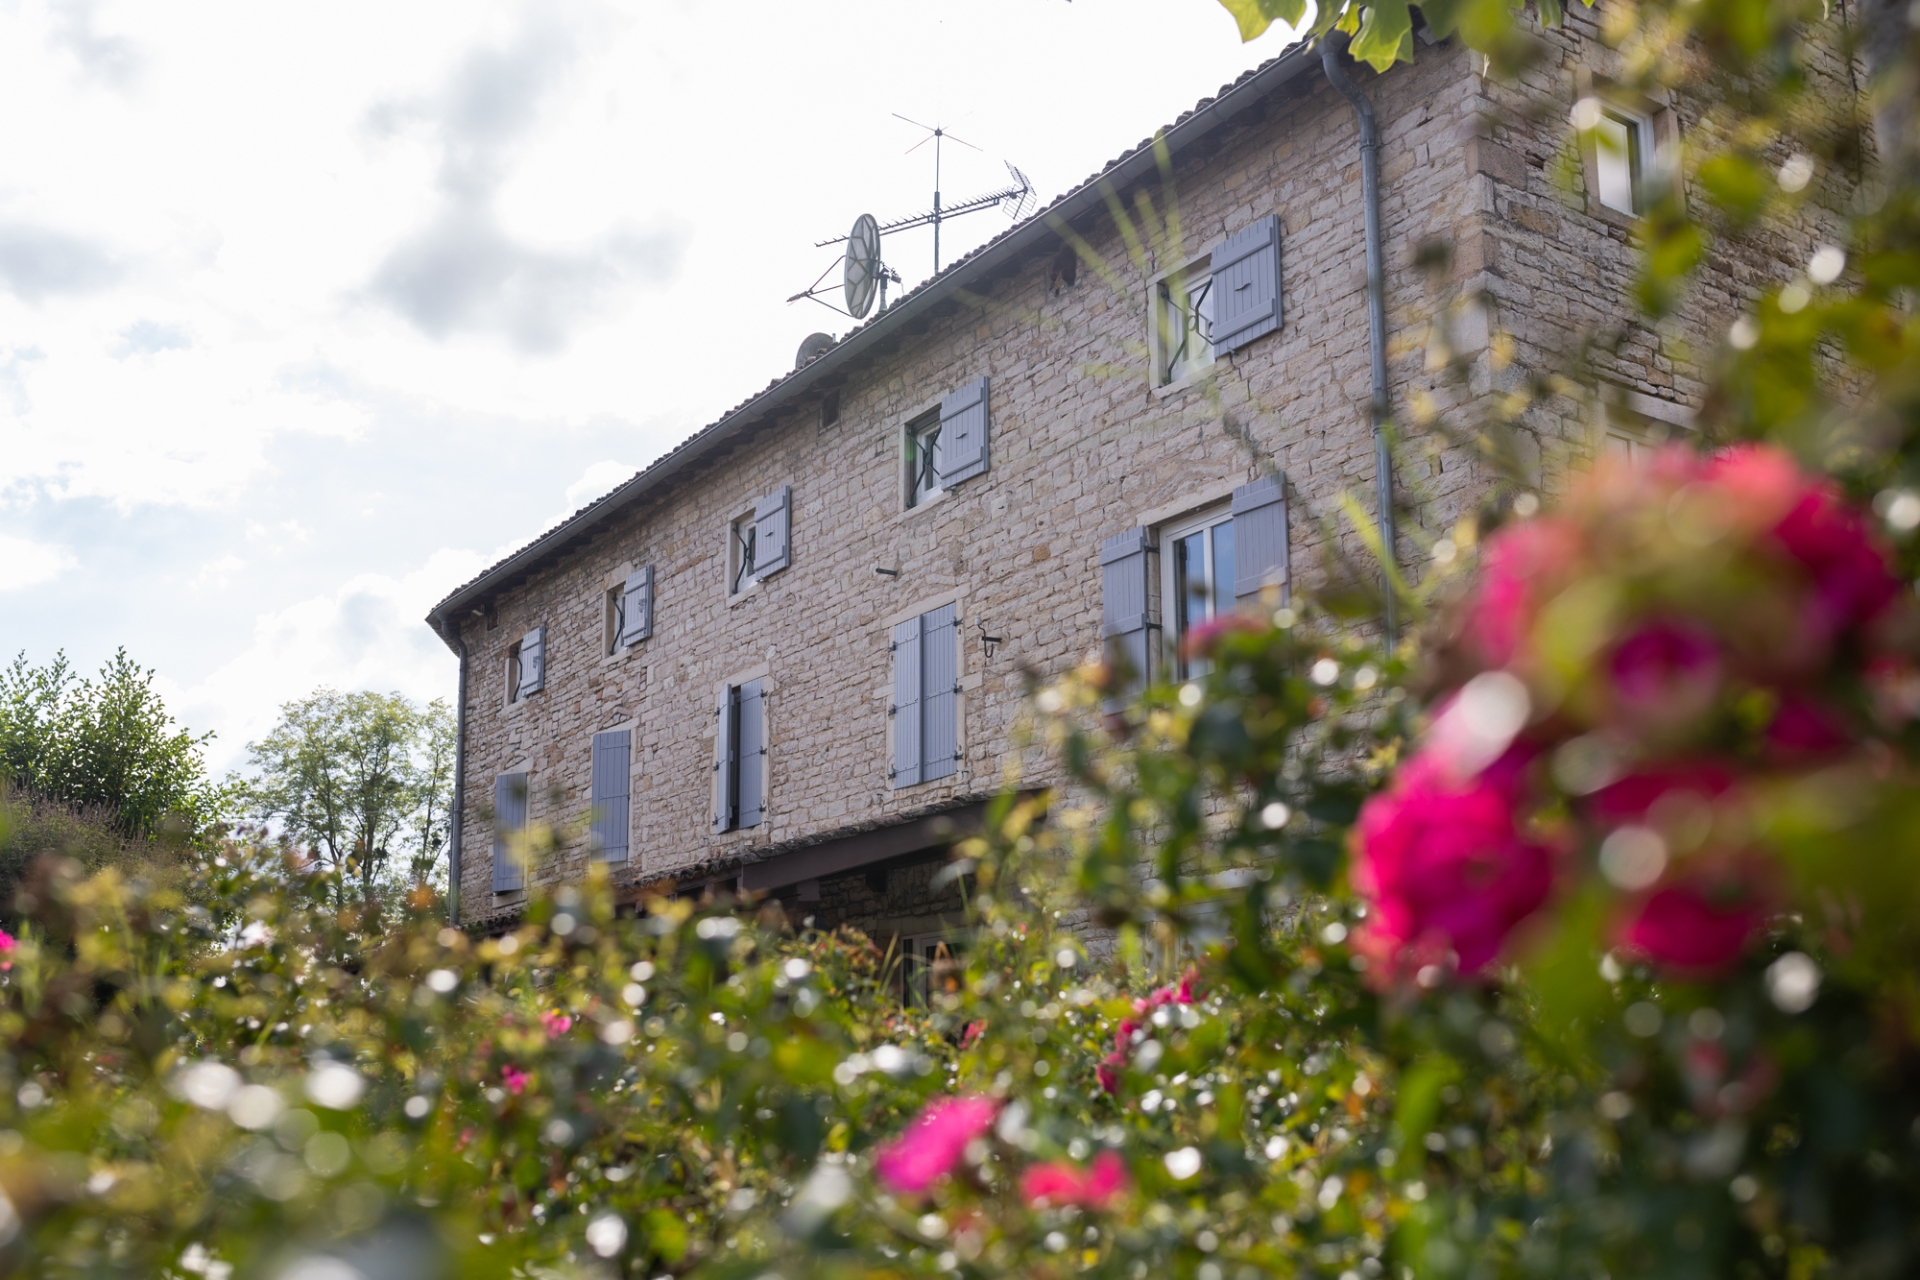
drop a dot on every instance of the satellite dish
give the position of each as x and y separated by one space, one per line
812 348
864 268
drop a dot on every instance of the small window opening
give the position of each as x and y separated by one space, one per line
513 672
923 460
1183 324
1623 156
740 554
616 616
1198 581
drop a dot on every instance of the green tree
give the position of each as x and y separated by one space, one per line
363 781
106 745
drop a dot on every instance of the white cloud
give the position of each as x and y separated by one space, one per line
24 563
216 575
367 633
598 479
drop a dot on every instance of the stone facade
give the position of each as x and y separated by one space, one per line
1082 447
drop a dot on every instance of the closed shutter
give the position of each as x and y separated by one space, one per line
1123 603
509 824
1246 285
612 787
907 718
1260 537
963 434
726 761
753 753
940 736
772 529
533 661
636 616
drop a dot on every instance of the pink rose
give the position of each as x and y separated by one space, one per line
7 944
1628 799
556 1023
1697 925
1108 1072
514 1078
1202 640
1665 671
933 1143
1057 1183
1518 567
1445 865
1802 727
1852 580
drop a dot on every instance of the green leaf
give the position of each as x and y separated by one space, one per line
1386 35
1255 16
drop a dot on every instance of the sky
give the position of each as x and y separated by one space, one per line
310 312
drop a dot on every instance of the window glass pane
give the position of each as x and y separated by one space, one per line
1222 583
1615 139
923 463
1185 320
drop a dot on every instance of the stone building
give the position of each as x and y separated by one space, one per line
787 657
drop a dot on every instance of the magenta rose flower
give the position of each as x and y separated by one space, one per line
1701 923
933 1143
1628 799
1445 866
1057 1183
1802 727
1664 671
1852 580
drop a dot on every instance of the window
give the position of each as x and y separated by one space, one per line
758 542
933 964
1197 579
527 665
740 757
1625 150
1182 324
611 789
923 459
509 832
629 612
926 686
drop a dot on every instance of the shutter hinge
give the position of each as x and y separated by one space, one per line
892 711
956 688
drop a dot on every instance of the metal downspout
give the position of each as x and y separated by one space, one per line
457 818
1331 47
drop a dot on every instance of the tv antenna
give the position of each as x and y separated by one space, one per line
861 268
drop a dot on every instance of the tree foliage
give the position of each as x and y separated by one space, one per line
105 744
364 781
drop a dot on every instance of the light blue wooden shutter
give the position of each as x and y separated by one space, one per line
1246 285
533 661
940 737
636 617
772 531
906 703
963 434
753 753
612 788
1123 603
726 761
1260 538
509 822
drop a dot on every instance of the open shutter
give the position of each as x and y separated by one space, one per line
1246 285
963 434
533 661
509 822
612 786
1260 538
753 753
636 617
772 527
726 761
906 711
940 737
1123 603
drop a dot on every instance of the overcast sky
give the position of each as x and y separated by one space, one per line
308 312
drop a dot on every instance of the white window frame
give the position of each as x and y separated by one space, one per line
1170 535
917 963
612 616
1653 136
1632 423
1195 275
915 466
